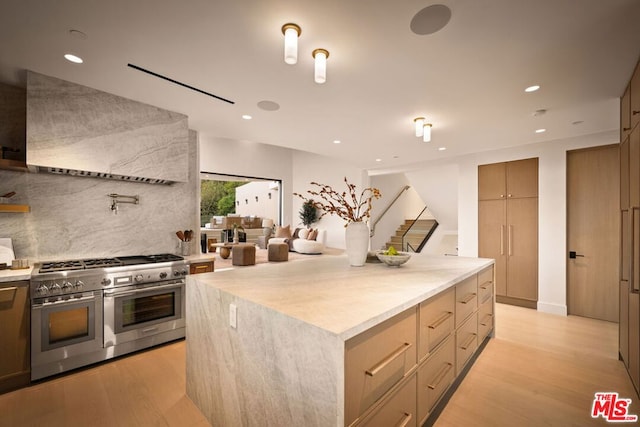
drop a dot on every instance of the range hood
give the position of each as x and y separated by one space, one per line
79 131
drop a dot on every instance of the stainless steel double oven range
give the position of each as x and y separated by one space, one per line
89 310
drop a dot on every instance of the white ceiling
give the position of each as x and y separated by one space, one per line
468 79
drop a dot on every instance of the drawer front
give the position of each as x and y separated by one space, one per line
485 285
485 320
466 299
437 321
398 411
435 376
466 342
201 267
378 359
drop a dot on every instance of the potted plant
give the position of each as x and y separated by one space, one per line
308 213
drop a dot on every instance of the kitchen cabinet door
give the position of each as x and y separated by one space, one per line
634 168
522 178
624 174
492 219
14 335
492 181
623 324
522 248
635 97
634 339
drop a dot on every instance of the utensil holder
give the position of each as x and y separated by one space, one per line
184 248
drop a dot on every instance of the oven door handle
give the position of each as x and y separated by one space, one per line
115 293
40 305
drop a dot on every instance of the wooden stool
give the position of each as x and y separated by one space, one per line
243 254
278 251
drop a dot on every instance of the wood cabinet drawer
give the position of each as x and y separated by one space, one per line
398 411
466 299
377 359
466 342
437 321
485 285
201 267
435 376
485 320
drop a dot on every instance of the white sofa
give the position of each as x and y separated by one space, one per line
304 246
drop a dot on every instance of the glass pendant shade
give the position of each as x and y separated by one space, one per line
291 33
419 122
320 72
426 137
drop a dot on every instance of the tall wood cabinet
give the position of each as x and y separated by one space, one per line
508 228
629 326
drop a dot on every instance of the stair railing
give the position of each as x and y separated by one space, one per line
395 199
407 245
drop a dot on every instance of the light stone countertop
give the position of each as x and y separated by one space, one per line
15 275
326 292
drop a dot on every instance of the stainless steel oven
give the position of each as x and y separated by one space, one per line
139 311
89 310
64 328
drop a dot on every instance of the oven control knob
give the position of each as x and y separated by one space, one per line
184 272
139 278
106 281
176 273
67 287
42 290
163 275
55 289
79 285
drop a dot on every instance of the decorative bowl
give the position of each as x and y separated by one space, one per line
394 260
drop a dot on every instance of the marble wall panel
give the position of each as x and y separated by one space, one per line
71 217
71 126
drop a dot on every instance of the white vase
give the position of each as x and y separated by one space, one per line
357 243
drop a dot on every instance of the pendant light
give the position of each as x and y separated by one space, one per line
291 33
320 56
426 137
419 122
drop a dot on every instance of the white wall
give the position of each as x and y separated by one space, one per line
309 168
408 206
263 206
552 235
226 156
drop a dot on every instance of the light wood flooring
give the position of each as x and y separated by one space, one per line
540 370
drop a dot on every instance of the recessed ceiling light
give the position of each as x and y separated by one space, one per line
396 157
532 88
336 141
246 117
540 130
378 160
77 34
73 58
577 122
442 148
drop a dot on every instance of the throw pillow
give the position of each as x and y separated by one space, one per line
283 232
313 234
303 233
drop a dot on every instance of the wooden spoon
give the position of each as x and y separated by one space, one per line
180 235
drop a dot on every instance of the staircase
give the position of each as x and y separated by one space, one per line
415 234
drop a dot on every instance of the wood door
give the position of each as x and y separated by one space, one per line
634 339
625 114
522 178
624 174
492 181
522 248
492 217
635 97
634 168
14 335
593 232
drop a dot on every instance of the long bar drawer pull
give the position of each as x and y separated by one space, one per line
11 289
441 320
486 320
468 298
404 422
486 285
443 373
404 347
468 342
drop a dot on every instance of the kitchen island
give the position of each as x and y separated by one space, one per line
319 343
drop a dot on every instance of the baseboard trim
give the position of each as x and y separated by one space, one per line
517 301
547 307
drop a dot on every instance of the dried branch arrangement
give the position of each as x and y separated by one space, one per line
347 204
